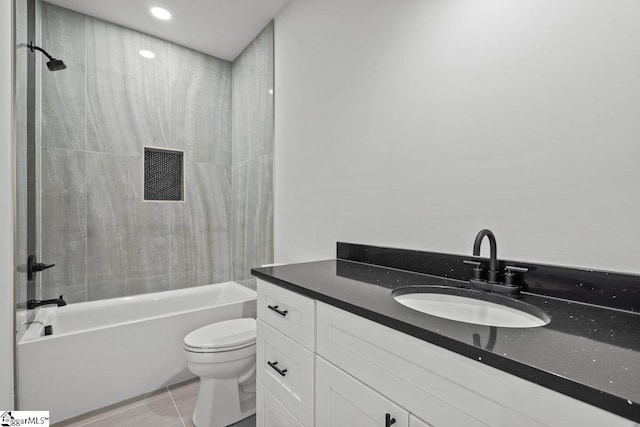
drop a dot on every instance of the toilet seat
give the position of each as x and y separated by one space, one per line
219 337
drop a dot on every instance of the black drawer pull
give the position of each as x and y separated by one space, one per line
388 422
282 313
282 372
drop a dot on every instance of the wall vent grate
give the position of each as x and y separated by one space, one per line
163 174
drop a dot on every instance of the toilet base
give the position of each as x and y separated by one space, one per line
222 402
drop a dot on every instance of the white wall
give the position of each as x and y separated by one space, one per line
6 201
417 123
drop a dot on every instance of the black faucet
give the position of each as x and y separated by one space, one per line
33 303
493 260
493 283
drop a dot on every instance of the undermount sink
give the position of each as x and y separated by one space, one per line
471 306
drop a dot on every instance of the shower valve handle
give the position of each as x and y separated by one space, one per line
33 267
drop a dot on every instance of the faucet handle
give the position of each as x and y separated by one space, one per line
477 268
510 273
514 269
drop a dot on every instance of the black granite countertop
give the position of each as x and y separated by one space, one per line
587 351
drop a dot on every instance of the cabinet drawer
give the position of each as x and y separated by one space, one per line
343 401
286 369
270 412
288 312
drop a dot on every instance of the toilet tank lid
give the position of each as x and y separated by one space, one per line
228 333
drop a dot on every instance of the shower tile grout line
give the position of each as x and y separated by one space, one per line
86 160
214 163
175 405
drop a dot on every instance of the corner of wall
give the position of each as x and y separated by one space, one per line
6 195
252 158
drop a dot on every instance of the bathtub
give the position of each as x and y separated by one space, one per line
103 352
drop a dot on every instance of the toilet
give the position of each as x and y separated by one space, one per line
223 355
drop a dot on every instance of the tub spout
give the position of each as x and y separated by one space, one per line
33 303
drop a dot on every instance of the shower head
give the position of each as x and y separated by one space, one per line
53 64
56 65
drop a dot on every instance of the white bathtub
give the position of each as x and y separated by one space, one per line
103 352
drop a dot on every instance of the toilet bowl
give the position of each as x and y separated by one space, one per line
223 355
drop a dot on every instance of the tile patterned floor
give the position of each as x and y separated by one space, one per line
169 407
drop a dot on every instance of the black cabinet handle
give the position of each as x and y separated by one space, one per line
388 422
282 313
282 372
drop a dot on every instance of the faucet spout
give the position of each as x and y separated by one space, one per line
493 260
32 303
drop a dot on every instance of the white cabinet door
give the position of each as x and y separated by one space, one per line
343 401
270 412
417 422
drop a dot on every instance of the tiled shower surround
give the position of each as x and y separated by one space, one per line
97 116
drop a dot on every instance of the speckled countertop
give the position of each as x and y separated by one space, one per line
588 352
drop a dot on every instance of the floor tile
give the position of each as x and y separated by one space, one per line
111 410
247 422
185 395
172 407
152 413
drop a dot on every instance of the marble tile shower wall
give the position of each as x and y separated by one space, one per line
96 118
252 124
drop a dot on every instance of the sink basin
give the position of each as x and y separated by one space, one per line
471 306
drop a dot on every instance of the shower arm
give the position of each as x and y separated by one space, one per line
33 46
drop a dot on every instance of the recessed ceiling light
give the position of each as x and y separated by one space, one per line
147 54
161 13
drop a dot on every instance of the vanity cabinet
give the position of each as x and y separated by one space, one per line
343 401
270 412
345 370
285 359
386 361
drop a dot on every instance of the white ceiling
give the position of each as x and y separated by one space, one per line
221 28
